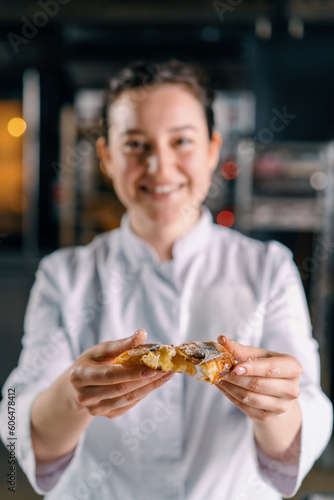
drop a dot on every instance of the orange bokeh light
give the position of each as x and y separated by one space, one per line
225 218
230 170
16 127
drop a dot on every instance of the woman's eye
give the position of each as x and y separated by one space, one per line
136 145
184 141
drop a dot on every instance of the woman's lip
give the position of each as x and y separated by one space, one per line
161 188
156 194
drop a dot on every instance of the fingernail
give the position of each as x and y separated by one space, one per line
167 376
138 332
221 338
239 370
148 373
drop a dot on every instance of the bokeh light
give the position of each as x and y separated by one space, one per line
16 127
225 218
230 170
319 180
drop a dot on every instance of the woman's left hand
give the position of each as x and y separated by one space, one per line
264 383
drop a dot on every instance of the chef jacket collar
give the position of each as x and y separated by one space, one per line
138 250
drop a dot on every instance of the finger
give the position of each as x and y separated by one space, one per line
141 392
87 374
279 366
107 405
255 400
252 413
108 351
242 352
89 395
93 410
283 388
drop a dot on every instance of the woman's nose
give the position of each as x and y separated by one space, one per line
153 164
159 162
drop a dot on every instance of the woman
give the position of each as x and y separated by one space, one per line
92 429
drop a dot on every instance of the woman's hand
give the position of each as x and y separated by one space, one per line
93 385
264 383
265 386
110 390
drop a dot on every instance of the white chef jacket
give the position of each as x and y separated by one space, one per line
186 440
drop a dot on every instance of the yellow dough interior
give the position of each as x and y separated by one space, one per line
160 359
180 364
166 359
211 359
209 372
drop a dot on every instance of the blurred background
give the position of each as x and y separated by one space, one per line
272 65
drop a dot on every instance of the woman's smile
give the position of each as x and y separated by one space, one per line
161 191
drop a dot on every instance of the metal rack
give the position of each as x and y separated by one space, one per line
281 187
289 187
88 204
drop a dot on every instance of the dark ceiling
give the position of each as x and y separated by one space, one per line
134 12
81 37
104 12
167 11
79 43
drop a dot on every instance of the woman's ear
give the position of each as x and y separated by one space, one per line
104 156
214 150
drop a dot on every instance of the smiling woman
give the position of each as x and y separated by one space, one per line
252 434
160 162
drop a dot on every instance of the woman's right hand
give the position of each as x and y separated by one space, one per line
109 390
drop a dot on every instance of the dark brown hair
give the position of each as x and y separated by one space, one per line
141 75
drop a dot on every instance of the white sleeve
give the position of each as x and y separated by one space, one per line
45 355
283 476
287 329
47 475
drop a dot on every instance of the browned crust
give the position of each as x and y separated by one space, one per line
213 360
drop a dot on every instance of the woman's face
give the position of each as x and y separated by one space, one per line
159 154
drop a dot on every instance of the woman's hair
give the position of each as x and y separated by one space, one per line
140 76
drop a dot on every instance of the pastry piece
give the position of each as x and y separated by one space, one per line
161 357
213 360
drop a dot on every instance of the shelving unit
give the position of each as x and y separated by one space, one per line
281 187
88 204
289 188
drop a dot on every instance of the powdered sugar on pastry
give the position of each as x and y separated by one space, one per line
213 360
